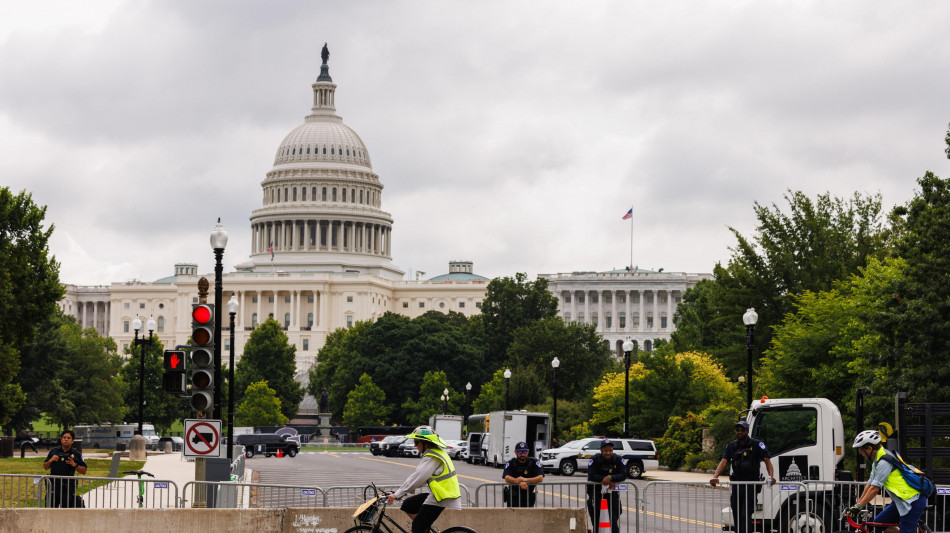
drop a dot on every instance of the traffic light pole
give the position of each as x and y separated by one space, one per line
218 271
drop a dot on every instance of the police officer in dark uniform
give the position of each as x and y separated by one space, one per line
524 472
64 460
744 455
605 469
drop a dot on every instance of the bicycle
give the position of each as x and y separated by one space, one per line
373 512
139 474
864 524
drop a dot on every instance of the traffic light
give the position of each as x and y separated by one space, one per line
202 357
173 380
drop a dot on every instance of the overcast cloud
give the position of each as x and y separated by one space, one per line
512 133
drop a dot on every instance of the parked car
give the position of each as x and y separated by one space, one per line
375 446
177 443
267 444
390 445
638 455
455 448
408 449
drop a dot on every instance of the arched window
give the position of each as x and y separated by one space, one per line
324 194
161 324
361 195
254 320
353 195
334 194
286 320
313 194
303 193
295 194
344 195
285 194
309 320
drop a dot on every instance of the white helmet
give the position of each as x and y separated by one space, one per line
865 438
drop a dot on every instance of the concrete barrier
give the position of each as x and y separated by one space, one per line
293 520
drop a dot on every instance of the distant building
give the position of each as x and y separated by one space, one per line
636 304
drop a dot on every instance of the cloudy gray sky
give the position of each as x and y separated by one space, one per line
512 133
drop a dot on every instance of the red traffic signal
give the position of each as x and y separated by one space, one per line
174 361
202 326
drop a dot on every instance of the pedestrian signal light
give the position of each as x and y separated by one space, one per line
173 380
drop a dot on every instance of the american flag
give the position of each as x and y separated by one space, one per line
628 215
270 250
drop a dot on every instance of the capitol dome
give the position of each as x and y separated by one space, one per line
322 202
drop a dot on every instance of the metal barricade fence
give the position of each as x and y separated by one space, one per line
571 494
355 495
846 493
20 490
208 494
107 493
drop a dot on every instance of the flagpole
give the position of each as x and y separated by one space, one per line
631 243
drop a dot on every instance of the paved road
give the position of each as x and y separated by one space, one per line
694 509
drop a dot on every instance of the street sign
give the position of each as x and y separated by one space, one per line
202 438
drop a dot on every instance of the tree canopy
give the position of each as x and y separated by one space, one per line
269 356
260 407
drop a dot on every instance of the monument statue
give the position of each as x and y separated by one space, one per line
325 53
324 401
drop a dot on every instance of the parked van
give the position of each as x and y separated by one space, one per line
266 444
107 436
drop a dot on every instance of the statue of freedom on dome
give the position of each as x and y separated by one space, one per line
325 53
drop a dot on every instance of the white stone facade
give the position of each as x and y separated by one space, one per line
638 305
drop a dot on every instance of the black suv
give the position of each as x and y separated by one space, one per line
267 444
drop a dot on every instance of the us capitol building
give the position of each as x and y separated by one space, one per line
321 259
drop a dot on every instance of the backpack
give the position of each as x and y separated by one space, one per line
912 475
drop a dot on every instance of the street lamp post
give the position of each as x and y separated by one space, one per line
554 364
859 424
507 380
143 342
468 402
627 348
445 401
232 310
749 319
219 239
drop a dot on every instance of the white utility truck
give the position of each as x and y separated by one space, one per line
96 436
449 427
505 429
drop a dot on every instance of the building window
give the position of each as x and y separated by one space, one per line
349 321
227 343
286 299
309 299
461 305
126 305
441 305
405 305
161 306
623 322
650 322
334 194
609 321
649 298
270 316
595 322
309 320
622 298
478 305
344 194
349 299
194 300
567 318
422 305
303 190
161 324
567 298
295 194
608 299
594 299
254 299
286 320
648 346
663 322
125 326
324 189
142 305
306 344
580 298
270 299
254 320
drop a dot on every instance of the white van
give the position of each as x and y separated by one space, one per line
95 436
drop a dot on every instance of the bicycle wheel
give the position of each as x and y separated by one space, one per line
459 529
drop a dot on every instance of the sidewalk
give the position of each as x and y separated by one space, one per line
676 475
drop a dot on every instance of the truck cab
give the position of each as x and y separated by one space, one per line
805 438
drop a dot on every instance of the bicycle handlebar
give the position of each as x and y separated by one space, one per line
138 473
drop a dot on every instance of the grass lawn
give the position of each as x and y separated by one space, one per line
21 492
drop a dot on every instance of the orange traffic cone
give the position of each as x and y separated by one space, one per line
604 526
280 453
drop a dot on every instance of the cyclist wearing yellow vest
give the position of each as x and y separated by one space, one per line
435 469
907 504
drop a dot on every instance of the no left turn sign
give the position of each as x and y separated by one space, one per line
202 438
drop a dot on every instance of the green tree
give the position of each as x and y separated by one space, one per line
662 384
512 303
269 356
260 407
366 405
581 352
339 361
428 402
808 248
916 321
87 383
161 409
29 289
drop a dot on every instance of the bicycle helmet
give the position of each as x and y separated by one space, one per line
427 434
865 438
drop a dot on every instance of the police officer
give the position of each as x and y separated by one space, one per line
605 469
524 472
744 454
64 460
